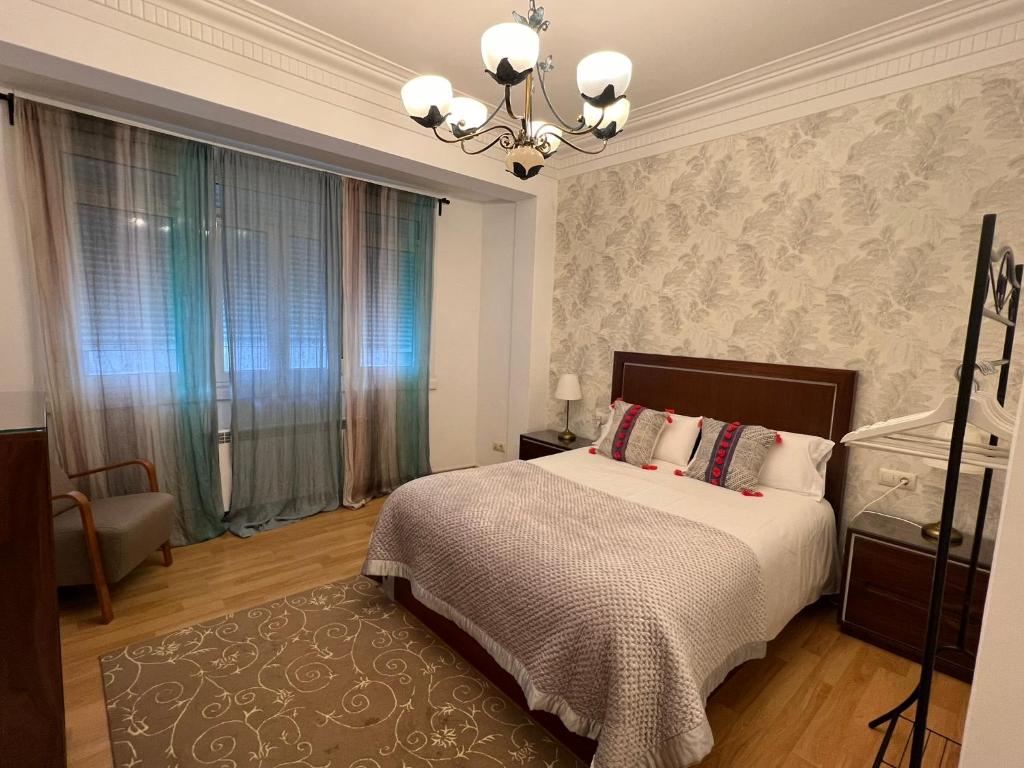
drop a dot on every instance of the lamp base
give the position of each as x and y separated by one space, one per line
567 436
931 532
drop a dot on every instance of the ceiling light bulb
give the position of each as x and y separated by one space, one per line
614 120
466 115
427 99
509 52
603 77
543 131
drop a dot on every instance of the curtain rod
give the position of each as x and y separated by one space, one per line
204 138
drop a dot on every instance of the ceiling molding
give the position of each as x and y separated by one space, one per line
250 38
944 40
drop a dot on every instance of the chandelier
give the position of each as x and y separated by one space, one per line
511 54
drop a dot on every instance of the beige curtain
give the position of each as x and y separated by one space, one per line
387 275
117 222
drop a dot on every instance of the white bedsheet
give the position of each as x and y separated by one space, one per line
793 536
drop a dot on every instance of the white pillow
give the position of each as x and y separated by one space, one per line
677 440
797 464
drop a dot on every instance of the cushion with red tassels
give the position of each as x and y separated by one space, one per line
633 432
731 455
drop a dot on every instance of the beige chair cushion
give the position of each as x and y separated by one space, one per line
129 528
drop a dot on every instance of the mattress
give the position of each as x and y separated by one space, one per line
793 536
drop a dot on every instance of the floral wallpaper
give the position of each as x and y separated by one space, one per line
843 239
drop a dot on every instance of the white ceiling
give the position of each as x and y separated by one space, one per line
675 45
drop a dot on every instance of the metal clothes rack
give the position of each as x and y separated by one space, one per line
996 278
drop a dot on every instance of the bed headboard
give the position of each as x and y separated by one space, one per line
794 398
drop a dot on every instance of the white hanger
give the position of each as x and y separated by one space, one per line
898 436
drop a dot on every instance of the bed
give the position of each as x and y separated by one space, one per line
612 600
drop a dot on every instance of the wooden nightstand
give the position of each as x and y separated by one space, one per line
887 580
533 445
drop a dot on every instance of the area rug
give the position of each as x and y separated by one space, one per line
337 677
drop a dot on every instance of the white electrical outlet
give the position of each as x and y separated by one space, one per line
499 447
892 478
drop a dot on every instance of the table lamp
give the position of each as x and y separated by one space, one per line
568 389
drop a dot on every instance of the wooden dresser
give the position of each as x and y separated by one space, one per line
31 689
887 578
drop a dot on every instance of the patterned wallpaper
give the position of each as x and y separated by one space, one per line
843 239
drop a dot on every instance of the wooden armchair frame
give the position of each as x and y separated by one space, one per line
92 543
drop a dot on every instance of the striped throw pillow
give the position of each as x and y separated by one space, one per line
731 455
633 434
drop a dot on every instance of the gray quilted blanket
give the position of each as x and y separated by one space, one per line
618 618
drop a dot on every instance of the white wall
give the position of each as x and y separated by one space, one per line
497 269
455 336
19 365
993 735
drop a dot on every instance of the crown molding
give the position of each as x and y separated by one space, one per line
946 39
943 40
247 37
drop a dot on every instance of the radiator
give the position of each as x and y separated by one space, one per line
224 455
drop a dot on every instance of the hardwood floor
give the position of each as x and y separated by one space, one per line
805 705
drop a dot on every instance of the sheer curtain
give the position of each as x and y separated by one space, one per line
279 230
387 255
118 218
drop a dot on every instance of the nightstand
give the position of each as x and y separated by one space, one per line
887 578
533 445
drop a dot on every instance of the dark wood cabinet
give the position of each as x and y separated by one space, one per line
886 587
31 688
533 445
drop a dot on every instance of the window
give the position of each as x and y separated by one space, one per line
389 325
247 298
126 311
307 304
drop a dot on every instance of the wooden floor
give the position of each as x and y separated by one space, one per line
805 705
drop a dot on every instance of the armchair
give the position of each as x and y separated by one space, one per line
108 537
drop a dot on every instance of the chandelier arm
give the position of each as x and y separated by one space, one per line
507 141
508 104
604 144
573 129
478 132
585 131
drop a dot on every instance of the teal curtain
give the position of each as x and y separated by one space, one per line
117 218
196 329
279 235
388 265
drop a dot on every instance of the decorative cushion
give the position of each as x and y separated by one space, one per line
731 455
798 464
678 439
633 434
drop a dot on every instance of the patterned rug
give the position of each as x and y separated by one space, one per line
337 677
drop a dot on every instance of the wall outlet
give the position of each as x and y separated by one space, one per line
892 478
499 447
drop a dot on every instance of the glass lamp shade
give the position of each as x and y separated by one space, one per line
614 120
427 99
466 115
603 77
509 52
543 131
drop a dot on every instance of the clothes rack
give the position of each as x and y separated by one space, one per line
995 296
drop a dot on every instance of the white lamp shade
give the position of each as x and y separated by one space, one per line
515 42
466 114
568 387
972 435
617 113
541 130
422 93
596 72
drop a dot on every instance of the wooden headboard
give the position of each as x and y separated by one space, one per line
794 398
